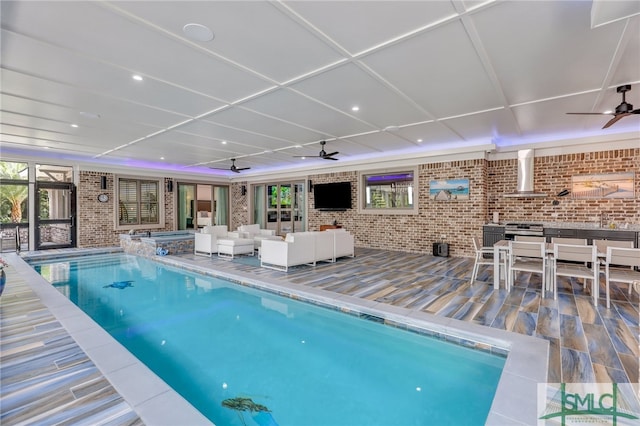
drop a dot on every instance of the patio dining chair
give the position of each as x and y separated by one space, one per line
525 256
579 261
481 260
619 267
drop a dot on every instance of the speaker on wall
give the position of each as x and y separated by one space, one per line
103 182
169 185
243 190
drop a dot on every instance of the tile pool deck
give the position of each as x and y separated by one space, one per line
423 291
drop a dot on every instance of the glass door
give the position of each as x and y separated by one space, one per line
201 205
284 207
186 207
55 215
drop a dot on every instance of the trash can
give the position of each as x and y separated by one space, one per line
441 249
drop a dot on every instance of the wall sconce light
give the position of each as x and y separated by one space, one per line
310 186
564 193
243 190
169 185
103 182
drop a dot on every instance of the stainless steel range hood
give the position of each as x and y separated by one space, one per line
525 176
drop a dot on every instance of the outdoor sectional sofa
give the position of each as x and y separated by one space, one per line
300 248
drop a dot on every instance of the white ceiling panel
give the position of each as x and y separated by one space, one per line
441 72
429 134
380 105
606 11
34 96
359 26
378 142
628 69
291 106
543 61
283 51
490 125
78 72
215 132
98 31
280 74
544 117
241 118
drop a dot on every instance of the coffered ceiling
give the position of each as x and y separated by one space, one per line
279 77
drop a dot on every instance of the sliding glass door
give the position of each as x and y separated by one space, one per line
201 205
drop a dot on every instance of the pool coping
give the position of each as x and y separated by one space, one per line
155 402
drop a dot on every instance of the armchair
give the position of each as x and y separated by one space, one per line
206 241
343 243
256 234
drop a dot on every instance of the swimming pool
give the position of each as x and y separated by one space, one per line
213 341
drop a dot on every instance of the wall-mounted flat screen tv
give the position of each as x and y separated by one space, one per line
332 196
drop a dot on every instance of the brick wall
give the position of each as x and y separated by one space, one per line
239 205
552 175
457 220
96 220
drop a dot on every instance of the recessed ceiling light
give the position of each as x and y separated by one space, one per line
608 112
197 32
355 108
304 158
162 158
419 140
46 147
223 142
137 77
74 125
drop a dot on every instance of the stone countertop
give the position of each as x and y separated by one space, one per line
580 225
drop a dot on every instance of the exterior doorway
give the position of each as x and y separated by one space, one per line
280 206
55 225
201 205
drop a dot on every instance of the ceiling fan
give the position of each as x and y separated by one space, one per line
233 167
622 110
322 153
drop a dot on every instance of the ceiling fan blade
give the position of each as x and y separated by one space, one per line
331 154
326 157
238 169
218 168
614 119
590 113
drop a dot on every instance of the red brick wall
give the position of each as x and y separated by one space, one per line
96 220
552 175
457 220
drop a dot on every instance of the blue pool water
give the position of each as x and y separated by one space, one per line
213 340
